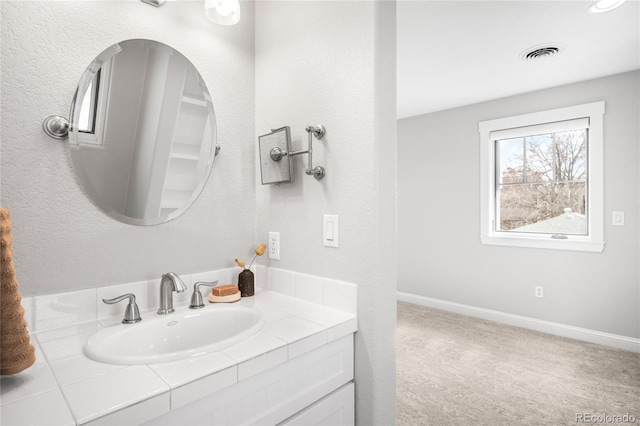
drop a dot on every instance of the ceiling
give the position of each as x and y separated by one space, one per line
454 53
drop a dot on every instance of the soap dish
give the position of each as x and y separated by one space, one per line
224 299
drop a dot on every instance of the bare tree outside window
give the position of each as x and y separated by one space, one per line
542 183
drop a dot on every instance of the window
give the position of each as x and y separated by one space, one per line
541 179
91 113
89 106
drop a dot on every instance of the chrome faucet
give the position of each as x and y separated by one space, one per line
169 283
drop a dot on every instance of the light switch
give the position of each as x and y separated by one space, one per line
617 218
330 231
329 235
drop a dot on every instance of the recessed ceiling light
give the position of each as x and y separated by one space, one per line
541 51
602 6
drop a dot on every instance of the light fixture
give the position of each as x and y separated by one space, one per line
223 12
156 3
602 6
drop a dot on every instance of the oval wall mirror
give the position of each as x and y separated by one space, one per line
142 132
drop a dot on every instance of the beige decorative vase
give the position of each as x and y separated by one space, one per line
16 351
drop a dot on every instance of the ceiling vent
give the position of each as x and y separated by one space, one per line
541 51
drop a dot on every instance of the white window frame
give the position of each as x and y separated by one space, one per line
96 138
594 241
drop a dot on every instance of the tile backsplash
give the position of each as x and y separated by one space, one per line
332 293
53 311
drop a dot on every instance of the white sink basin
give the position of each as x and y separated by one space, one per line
182 334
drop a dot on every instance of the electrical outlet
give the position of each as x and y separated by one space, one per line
274 245
539 291
617 219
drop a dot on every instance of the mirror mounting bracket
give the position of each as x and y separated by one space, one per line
276 153
317 131
56 126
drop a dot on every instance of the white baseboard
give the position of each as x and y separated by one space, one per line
584 334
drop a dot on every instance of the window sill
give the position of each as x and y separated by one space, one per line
571 244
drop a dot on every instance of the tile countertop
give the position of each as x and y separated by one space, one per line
64 387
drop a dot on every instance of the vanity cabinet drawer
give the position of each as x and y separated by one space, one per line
294 391
335 409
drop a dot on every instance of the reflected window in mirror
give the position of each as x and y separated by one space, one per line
87 120
93 109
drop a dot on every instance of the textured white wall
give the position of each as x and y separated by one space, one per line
61 241
438 217
333 63
317 62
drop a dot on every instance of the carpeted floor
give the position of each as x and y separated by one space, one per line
459 370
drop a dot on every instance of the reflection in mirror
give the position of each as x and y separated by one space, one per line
143 132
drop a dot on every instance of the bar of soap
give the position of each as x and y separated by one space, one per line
224 299
224 290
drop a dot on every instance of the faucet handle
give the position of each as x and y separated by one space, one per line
131 313
196 297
